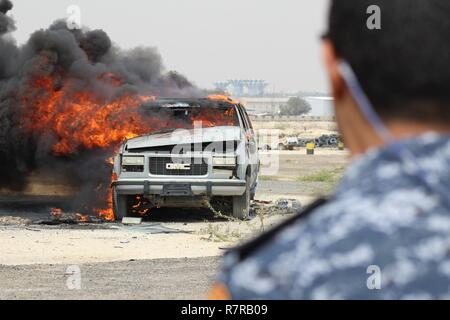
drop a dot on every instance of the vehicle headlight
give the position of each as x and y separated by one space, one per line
224 161
133 161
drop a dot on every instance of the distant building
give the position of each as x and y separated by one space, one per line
238 88
260 105
321 106
252 93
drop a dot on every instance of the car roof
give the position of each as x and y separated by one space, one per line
213 101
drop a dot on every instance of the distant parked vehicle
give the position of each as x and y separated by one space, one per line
289 143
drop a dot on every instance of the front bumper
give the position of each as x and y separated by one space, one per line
200 187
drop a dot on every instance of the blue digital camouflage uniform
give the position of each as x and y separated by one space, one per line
385 214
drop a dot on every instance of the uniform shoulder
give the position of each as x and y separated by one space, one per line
246 250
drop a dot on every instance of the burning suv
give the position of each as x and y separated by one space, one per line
206 153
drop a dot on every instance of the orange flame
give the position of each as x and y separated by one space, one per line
82 119
220 97
82 218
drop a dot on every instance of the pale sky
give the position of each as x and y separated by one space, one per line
207 40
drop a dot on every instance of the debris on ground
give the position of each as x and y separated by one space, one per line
149 228
131 221
221 233
262 202
289 205
324 141
280 207
14 221
68 219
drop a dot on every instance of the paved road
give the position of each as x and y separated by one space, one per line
151 279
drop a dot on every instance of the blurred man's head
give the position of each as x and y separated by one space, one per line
404 67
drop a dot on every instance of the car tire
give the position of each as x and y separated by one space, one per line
120 206
241 204
253 192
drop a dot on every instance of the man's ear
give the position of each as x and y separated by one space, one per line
331 61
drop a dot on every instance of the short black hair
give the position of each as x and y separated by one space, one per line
404 67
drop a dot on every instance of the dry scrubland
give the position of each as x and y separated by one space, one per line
304 129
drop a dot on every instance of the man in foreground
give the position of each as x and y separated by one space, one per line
385 234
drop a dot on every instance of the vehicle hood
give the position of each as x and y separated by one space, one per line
215 134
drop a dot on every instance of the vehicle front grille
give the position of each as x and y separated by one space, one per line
196 166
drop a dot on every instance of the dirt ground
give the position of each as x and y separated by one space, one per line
135 262
126 280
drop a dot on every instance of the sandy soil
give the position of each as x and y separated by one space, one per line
34 244
294 164
126 280
20 247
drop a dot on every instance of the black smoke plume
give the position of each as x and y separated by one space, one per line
75 60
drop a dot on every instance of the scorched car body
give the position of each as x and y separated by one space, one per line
190 163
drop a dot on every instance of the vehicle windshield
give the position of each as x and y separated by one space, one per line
168 119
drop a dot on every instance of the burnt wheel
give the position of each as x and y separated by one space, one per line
120 205
241 204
